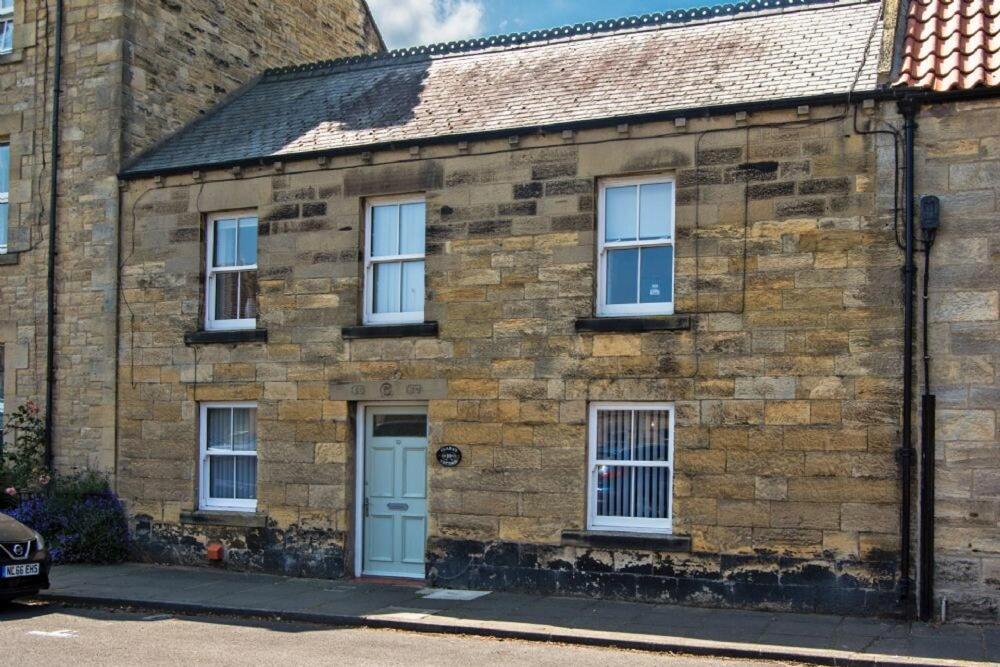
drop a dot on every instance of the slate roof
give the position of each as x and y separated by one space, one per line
951 45
753 52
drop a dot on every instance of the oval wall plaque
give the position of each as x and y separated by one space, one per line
449 456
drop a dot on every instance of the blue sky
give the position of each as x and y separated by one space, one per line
410 22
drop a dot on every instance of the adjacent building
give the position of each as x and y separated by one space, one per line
121 76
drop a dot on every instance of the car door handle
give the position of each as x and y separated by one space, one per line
402 507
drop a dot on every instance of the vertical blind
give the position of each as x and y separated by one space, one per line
633 463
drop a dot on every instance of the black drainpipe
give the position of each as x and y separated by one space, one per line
908 108
50 342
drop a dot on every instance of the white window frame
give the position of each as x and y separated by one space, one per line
7 15
370 316
211 272
638 525
205 501
5 199
605 309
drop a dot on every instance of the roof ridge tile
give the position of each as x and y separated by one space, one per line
604 26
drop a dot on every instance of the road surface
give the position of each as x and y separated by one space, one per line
46 634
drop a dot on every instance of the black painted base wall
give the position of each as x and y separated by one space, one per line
759 581
294 552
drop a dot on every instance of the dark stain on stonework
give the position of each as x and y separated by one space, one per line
761 580
294 551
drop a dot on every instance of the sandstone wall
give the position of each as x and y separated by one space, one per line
958 159
218 46
786 385
132 71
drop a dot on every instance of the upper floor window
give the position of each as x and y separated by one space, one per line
394 261
631 466
636 247
4 193
229 456
231 276
6 26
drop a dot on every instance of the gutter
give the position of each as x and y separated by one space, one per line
50 340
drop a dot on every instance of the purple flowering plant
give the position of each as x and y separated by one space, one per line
79 515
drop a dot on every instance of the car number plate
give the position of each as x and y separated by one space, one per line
26 570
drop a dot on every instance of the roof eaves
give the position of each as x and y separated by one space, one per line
690 112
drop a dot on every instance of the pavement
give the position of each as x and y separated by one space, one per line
723 633
46 634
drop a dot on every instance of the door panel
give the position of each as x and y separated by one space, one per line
395 482
414 472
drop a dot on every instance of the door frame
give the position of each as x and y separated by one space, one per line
361 431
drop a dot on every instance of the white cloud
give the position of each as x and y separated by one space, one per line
412 22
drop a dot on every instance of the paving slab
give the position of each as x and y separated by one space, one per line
809 638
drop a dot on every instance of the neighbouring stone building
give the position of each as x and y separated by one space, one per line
949 60
131 72
592 311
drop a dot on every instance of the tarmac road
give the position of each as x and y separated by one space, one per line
48 634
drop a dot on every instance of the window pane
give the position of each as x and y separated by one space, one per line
654 210
4 168
6 36
619 213
652 429
656 280
227 287
411 229
614 487
386 288
248 295
225 243
623 272
246 477
399 426
220 434
652 491
244 429
614 435
385 231
3 224
247 243
6 4
221 476
413 287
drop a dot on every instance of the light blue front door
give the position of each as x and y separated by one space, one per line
395 523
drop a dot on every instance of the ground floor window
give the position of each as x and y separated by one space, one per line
229 456
631 466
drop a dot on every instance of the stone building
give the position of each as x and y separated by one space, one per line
604 310
949 63
131 72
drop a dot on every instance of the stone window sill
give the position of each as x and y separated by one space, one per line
233 336
10 258
15 56
417 330
624 540
634 324
221 518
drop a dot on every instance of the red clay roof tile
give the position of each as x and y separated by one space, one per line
951 45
